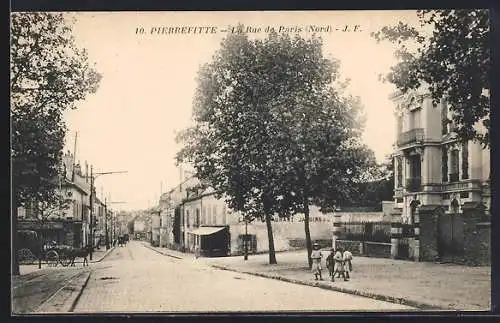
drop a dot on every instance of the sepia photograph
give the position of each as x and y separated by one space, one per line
250 161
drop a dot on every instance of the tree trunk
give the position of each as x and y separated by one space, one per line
270 238
14 261
308 232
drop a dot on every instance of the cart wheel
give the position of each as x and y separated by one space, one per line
52 258
26 256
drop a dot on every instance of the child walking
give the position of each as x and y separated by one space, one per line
316 256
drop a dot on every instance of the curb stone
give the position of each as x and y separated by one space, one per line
103 256
162 253
77 298
385 298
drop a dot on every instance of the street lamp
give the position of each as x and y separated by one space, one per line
106 220
246 238
93 176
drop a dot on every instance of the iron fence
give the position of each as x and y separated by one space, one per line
366 231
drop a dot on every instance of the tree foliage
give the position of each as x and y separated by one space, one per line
273 129
376 187
49 74
454 60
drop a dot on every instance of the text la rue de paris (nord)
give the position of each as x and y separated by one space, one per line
203 30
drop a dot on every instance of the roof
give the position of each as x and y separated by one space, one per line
205 231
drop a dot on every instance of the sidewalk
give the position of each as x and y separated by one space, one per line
97 256
419 284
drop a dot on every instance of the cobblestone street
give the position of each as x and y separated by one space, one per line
137 279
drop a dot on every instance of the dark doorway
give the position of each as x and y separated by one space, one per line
216 244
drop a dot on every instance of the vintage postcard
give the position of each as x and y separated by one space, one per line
260 161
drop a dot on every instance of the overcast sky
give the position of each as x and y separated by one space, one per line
148 83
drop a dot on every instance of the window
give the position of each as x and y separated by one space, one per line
454 165
75 209
415 119
204 215
197 224
251 240
465 161
209 215
214 214
444 164
413 183
399 178
187 219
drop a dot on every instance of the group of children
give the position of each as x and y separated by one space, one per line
338 262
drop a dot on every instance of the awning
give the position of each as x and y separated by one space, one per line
205 231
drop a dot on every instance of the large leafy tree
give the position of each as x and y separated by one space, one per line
231 143
453 60
316 127
49 74
274 130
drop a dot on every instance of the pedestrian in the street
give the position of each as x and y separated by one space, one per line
339 264
347 256
330 264
316 256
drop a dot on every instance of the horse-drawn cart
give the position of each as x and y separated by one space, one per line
59 254
32 249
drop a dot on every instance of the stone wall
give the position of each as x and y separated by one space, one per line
477 236
428 222
286 234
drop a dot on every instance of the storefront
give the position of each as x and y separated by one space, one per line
212 241
64 232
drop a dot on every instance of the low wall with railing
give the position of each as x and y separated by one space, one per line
365 248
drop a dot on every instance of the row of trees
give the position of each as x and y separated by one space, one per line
49 75
274 130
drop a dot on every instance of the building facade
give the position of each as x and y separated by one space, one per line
442 186
70 225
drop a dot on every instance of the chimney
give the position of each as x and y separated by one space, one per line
86 172
78 169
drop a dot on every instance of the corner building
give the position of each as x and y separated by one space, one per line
442 187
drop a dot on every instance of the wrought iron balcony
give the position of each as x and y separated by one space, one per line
413 184
414 135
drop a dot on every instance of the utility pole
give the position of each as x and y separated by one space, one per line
106 223
93 176
159 214
91 211
246 238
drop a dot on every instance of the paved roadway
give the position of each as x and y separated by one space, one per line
137 279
